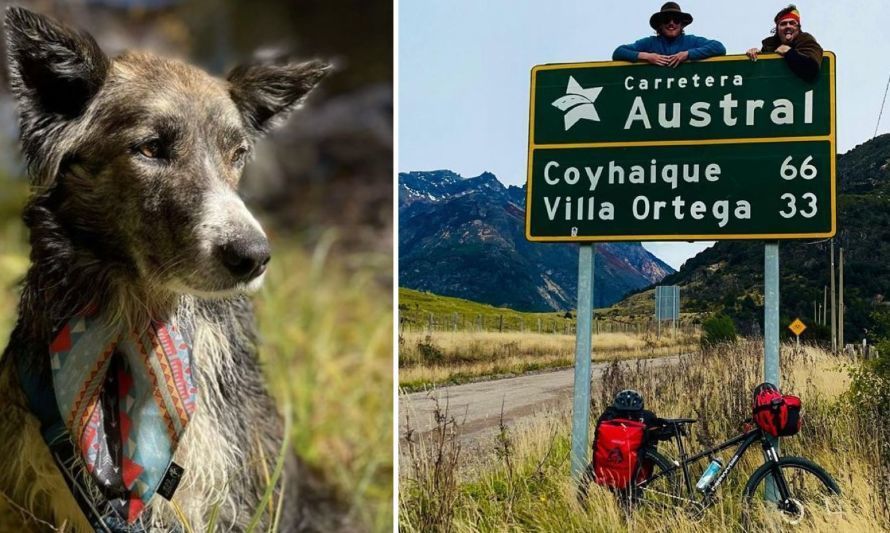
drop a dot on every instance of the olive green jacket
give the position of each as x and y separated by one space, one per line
804 58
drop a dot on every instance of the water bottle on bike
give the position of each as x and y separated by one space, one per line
714 468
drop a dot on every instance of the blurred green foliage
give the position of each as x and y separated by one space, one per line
718 329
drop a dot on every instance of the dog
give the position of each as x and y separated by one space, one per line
137 232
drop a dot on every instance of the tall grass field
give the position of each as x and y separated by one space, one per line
326 327
428 359
523 482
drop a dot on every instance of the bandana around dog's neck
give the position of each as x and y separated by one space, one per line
125 400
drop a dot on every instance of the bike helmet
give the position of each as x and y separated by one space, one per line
628 400
765 386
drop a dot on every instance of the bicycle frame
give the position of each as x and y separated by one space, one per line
744 441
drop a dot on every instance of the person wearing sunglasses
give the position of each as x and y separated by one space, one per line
801 51
671 46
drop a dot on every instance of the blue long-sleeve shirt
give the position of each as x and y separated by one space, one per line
698 47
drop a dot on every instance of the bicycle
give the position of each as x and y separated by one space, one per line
798 482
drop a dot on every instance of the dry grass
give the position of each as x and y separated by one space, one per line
531 490
427 359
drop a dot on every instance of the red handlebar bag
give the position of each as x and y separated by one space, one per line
616 451
776 413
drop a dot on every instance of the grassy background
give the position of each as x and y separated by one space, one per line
523 483
326 327
448 358
418 308
447 341
415 308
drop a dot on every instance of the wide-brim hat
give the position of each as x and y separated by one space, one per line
669 9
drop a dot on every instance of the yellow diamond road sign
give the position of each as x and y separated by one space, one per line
797 327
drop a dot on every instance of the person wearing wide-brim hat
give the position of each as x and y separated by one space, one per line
671 46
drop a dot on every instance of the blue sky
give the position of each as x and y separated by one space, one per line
464 70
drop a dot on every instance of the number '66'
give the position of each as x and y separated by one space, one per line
789 172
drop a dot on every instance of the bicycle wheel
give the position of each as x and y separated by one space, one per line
808 489
656 484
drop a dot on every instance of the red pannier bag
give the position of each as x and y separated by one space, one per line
776 413
616 452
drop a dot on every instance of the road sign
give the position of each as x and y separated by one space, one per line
667 302
797 327
726 148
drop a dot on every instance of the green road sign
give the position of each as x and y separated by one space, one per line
725 148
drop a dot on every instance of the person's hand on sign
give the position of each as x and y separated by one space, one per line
752 53
677 58
782 49
655 59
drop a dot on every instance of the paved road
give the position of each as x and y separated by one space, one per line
477 406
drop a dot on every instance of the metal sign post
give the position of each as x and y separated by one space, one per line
771 313
581 405
771 331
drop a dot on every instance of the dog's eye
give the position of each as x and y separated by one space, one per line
239 155
150 149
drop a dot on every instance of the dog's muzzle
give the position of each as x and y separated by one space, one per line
245 257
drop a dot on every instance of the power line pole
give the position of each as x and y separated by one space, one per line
840 304
833 304
881 113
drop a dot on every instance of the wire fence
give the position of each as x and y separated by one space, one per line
432 322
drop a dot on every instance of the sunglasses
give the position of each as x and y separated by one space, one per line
671 18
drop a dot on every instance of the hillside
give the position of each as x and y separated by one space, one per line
729 275
465 237
417 309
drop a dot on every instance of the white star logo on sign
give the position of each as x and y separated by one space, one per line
578 103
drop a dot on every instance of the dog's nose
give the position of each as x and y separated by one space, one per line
245 258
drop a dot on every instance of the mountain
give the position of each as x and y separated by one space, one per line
465 237
729 275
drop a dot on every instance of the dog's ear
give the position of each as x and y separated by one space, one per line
266 93
53 70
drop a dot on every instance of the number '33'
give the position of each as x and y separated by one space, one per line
808 211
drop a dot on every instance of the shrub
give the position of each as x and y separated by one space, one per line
870 388
429 352
870 395
718 329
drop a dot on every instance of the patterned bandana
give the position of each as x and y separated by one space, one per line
791 15
125 401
